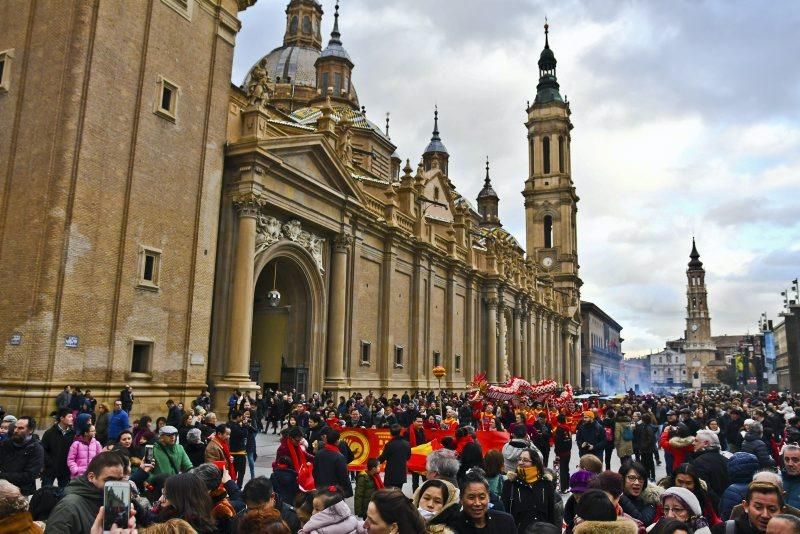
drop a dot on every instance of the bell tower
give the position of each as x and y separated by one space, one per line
699 347
550 196
303 19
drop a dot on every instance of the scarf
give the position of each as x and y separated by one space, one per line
376 479
222 505
412 436
332 448
226 450
462 443
528 474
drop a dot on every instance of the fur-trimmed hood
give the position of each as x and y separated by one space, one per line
652 494
681 442
620 526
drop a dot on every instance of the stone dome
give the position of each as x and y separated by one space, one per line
290 64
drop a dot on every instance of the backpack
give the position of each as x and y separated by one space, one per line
627 433
43 501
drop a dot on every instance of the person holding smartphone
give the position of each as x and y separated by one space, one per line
83 496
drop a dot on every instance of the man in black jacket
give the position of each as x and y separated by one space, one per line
542 436
56 441
710 465
733 430
416 436
22 456
396 454
258 494
330 466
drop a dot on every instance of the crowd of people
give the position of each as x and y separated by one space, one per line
732 465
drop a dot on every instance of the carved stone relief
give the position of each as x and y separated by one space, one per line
270 230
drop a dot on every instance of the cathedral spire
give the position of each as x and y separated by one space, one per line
695 262
547 90
488 200
336 37
436 145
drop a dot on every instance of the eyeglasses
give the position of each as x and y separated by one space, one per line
634 478
524 461
668 509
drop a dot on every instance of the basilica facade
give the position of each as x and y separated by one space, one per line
187 231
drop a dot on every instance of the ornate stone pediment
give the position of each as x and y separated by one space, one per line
270 231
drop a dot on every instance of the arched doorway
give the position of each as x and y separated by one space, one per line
287 337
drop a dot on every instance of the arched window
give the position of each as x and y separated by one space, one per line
533 154
546 155
561 154
548 231
306 25
293 25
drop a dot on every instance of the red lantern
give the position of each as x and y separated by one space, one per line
439 372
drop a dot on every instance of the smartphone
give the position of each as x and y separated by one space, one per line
148 454
117 503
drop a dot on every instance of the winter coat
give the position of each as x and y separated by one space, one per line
712 467
101 426
644 438
624 446
336 519
438 523
563 442
196 452
496 523
396 454
365 487
117 422
80 454
529 503
56 446
75 512
791 485
19 523
170 459
741 468
592 433
638 508
620 526
754 445
284 483
22 464
677 447
733 432
330 468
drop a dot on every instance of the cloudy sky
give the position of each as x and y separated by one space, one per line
687 122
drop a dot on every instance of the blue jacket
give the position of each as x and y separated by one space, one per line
117 422
791 485
741 468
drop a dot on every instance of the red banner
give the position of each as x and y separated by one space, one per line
369 442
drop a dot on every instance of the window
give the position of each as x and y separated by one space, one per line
398 356
337 84
457 363
561 154
182 7
324 86
141 353
5 69
166 99
366 348
306 25
437 358
149 267
293 25
546 155
436 194
548 231
533 158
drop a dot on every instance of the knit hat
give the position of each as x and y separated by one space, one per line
579 480
193 436
209 474
686 497
596 506
82 423
588 413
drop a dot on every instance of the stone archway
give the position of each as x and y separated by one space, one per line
288 340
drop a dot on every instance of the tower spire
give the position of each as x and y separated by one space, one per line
546 31
335 35
695 262
547 89
487 182
435 136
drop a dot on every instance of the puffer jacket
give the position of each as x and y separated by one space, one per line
677 447
791 485
336 519
755 445
80 454
741 468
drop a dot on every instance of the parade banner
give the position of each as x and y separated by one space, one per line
369 442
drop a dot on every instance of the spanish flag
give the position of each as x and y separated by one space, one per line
419 455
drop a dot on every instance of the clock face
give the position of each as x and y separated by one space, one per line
695 327
547 262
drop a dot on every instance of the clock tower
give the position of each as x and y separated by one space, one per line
550 197
699 347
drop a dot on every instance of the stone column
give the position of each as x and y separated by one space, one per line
248 206
566 363
491 340
528 342
516 367
502 359
336 312
537 342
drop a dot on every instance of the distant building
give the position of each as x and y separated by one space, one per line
636 374
787 348
668 369
601 350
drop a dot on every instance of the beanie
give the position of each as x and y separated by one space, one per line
579 480
588 413
686 497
